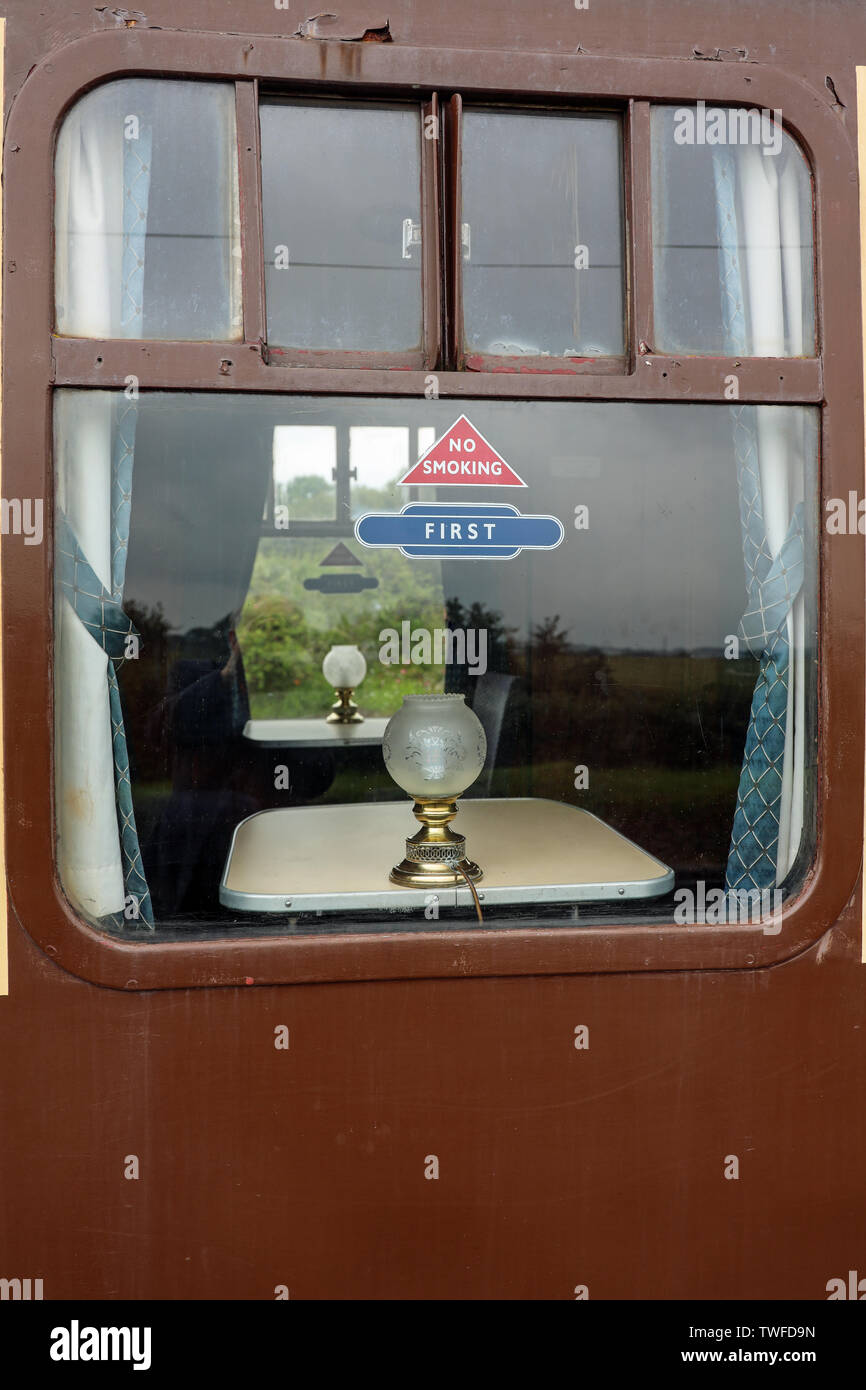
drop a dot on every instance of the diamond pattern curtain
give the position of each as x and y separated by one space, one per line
761 838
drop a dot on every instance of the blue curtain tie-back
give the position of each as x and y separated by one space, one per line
771 595
108 625
104 619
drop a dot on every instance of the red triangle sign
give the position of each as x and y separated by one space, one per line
462 457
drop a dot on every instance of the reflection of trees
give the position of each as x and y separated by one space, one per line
548 639
308 496
673 710
501 647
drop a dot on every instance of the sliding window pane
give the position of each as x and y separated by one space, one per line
341 192
542 235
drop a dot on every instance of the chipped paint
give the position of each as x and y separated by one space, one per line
128 17
330 26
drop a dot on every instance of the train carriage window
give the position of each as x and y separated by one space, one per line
638 648
147 224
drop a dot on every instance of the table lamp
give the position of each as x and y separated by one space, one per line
434 748
344 668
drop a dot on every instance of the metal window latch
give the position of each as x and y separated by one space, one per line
411 237
466 240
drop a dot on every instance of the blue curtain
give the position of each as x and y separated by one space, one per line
772 584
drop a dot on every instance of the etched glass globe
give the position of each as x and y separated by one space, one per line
434 746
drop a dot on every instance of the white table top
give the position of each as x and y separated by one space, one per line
309 733
338 858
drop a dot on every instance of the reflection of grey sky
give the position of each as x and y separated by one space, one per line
660 567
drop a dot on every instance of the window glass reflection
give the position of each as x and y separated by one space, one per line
147 228
542 234
340 185
732 227
624 672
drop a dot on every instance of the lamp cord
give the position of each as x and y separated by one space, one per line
472 889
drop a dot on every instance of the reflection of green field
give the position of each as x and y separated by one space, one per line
682 816
675 672
642 788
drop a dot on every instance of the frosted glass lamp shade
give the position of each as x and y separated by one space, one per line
434 746
344 668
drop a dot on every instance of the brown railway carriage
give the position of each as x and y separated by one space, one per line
255 265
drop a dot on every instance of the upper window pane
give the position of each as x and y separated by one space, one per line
341 196
146 216
732 227
542 235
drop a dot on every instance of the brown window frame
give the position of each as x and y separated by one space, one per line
39 361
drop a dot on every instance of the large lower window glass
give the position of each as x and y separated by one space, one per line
639 652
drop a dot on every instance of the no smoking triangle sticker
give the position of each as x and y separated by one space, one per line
462 457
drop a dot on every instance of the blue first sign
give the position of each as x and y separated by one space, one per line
438 530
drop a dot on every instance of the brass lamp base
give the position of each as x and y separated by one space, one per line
344 710
434 853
